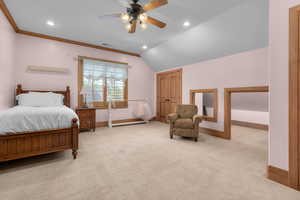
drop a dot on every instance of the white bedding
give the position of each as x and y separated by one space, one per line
29 119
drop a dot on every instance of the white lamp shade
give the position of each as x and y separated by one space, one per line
85 90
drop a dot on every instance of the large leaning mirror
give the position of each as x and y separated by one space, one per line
207 102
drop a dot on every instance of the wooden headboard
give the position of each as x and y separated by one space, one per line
65 93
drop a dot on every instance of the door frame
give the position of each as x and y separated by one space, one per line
158 89
294 98
227 104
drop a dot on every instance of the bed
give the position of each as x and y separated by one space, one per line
59 137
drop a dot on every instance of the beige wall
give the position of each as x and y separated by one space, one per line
278 70
7 60
42 52
239 70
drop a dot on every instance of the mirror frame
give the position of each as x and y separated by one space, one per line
215 102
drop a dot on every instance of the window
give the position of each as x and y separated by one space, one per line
103 81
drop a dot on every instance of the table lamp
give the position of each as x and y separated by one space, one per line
85 91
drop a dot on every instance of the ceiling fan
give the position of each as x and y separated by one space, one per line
136 14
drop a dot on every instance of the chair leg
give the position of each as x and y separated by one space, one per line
171 131
74 153
196 139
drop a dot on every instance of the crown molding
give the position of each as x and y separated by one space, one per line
39 35
11 20
9 17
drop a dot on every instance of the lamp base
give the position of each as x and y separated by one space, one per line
85 106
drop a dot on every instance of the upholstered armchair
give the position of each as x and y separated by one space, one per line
185 122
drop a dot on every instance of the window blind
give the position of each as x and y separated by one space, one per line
105 80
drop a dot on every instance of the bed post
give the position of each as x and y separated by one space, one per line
75 132
19 89
67 100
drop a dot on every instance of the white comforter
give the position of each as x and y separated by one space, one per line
28 119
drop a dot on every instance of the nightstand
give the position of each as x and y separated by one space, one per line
87 118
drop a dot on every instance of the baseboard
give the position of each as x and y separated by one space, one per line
212 132
278 175
250 125
105 123
154 118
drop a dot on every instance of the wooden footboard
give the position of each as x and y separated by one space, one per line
22 145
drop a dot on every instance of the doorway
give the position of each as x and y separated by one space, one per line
227 104
169 93
247 115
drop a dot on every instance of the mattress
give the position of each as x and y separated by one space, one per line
29 119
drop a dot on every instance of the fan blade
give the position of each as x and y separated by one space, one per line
155 22
124 3
132 27
110 16
154 4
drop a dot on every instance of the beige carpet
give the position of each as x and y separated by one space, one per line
140 162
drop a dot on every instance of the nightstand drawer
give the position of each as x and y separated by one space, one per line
85 124
85 114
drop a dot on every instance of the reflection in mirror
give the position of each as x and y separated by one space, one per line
206 101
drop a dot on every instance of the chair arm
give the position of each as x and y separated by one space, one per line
172 117
197 119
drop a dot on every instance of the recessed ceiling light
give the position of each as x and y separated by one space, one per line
50 23
145 47
186 23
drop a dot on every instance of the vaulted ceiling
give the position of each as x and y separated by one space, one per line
243 27
217 27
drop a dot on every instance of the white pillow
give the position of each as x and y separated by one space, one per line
40 99
57 98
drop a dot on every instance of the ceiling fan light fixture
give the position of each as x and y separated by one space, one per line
144 26
136 14
143 17
125 17
128 26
